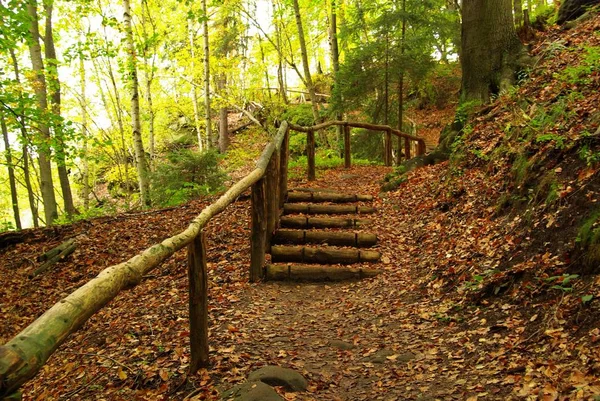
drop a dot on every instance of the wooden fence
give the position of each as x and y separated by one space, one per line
24 355
387 156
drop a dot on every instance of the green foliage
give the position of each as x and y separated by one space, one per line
300 114
580 74
563 282
558 140
588 155
588 239
121 182
186 174
465 110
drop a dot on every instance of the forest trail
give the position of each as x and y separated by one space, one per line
375 339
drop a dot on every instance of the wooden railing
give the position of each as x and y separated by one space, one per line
24 355
387 156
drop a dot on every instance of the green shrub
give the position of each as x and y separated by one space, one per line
186 174
588 239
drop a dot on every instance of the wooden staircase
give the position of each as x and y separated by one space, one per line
301 250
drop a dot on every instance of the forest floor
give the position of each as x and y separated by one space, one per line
394 337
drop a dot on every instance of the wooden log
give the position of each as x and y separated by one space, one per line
322 222
347 152
372 127
310 154
407 149
55 251
327 197
258 245
317 273
322 255
271 192
283 168
362 240
65 249
295 208
198 303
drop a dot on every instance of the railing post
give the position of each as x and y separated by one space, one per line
422 147
407 148
310 150
347 160
259 231
272 195
198 303
399 151
283 168
388 148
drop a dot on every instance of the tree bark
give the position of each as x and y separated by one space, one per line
207 111
198 302
490 48
140 154
518 13
335 61
11 174
307 77
85 173
201 143
35 52
55 100
26 156
223 124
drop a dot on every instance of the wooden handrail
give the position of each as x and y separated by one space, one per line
375 127
24 355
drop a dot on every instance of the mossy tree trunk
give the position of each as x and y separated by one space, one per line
490 48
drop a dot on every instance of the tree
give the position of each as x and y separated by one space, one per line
11 173
491 50
55 101
207 110
35 52
140 155
307 77
572 9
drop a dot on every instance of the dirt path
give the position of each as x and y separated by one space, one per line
386 338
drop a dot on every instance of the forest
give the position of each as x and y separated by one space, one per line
300 200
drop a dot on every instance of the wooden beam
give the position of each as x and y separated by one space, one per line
198 303
359 240
322 222
293 208
310 154
317 273
258 245
336 197
271 194
322 255
283 168
347 153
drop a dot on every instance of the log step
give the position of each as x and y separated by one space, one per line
316 273
321 222
334 197
296 208
359 240
322 255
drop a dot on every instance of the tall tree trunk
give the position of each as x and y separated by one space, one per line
25 138
35 52
518 12
85 173
335 61
55 101
194 89
280 71
140 155
223 128
11 174
490 48
307 77
149 77
401 83
207 111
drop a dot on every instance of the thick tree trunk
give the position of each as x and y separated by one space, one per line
307 77
140 154
55 100
573 9
490 48
335 61
207 111
46 182
11 174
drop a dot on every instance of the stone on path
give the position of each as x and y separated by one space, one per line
278 376
253 391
